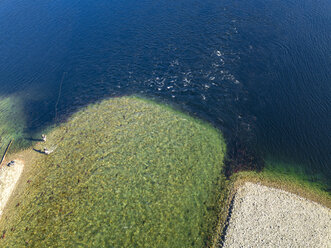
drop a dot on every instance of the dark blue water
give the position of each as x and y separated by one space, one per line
256 69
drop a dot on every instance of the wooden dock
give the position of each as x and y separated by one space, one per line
4 155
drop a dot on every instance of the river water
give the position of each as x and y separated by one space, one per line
256 69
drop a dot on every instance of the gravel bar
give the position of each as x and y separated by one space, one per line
8 179
268 217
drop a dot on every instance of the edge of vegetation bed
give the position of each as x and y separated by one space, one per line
126 172
131 172
292 182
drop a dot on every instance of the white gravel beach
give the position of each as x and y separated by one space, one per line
268 217
8 179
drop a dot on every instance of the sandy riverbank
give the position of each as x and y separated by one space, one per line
8 178
268 217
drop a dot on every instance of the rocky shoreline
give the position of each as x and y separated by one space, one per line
268 217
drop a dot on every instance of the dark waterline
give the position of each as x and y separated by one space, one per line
257 69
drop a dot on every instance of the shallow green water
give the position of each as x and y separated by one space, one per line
295 173
125 173
11 120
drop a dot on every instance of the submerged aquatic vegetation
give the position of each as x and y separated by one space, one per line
126 172
11 120
289 177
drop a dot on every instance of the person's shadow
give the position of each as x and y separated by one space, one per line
32 139
40 151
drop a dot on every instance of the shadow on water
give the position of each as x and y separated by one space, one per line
33 139
242 157
39 151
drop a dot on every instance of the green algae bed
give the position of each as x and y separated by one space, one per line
11 120
288 177
128 172
125 172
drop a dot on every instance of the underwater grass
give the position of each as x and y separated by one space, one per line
291 178
12 121
126 172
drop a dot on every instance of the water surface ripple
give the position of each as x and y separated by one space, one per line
258 68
